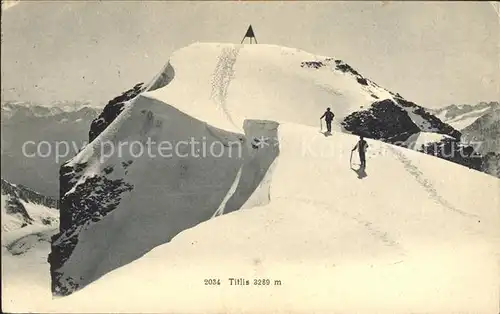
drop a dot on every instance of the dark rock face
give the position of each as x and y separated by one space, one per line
346 68
339 65
312 64
27 195
112 110
383 121
491 164
89 202
102 196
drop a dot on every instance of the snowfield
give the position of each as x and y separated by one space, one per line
402 237
410 233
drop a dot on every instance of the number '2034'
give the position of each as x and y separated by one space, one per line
212 282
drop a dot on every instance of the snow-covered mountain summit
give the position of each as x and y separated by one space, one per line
121 196
28 109
285 84
22 207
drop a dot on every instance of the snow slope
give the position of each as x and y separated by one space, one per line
116 207
421 241
25 270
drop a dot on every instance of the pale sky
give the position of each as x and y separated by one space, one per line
432 53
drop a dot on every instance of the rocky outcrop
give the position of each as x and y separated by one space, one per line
394 121
385 121
93 199
112 110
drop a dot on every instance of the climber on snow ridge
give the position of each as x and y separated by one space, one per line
361 146
328 115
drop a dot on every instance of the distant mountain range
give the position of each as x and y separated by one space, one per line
485 132
461 116
39 129
480 127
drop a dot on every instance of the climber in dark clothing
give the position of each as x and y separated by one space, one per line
361 146
328 115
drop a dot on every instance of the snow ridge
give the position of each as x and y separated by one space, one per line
102 199
110 191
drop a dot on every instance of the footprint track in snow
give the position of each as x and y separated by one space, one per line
419 177
368 225
221 79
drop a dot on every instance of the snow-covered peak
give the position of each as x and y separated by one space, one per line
22 207
233 97
234 82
